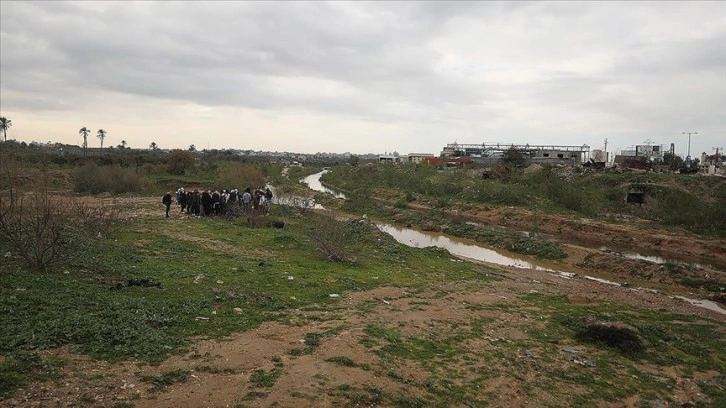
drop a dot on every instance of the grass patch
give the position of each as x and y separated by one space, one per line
21 367
161 382
262 378
346 362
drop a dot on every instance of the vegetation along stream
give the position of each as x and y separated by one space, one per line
471 250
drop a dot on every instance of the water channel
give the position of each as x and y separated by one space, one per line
472 250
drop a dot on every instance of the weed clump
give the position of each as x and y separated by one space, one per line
623 339
162 381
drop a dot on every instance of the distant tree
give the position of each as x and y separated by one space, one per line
101 134
179 162
122 145
5 123
353 160
514 157
153 146
673 161
192 148
84 131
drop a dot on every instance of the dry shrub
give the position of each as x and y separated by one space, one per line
337 240
45 229
95 179
240 175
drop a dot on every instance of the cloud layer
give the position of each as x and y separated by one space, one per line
365 77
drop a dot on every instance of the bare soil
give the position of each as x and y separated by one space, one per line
221 370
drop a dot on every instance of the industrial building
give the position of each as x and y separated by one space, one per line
490 153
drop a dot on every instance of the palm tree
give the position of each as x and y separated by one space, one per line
84 131
101 134
5 123
153 146
123 144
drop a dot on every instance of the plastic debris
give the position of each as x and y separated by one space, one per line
586 363
290 277
201 318
334 295
198 278
219 282
569 350
237 309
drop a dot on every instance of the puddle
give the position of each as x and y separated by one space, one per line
459 247
707 304
313 181
605 281
654 259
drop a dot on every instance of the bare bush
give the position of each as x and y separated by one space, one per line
97 218
337 240
34 227
44 229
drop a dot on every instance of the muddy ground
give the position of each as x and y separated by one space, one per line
221 371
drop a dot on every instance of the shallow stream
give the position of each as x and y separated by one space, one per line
472 250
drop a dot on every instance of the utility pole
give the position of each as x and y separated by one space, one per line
718 163
689 140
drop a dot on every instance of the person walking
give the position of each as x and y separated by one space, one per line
166 200
247 201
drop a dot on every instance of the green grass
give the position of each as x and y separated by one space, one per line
87 304
262 378
21 367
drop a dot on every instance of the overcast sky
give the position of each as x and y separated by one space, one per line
365 77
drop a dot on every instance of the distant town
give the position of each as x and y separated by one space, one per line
649 157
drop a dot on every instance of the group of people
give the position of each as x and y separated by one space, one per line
229 203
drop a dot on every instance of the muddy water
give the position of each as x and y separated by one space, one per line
473 250
458 246
313 181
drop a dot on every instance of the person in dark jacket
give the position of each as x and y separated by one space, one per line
206 203
196 203
166 200
216 197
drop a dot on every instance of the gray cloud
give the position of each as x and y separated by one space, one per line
440 69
